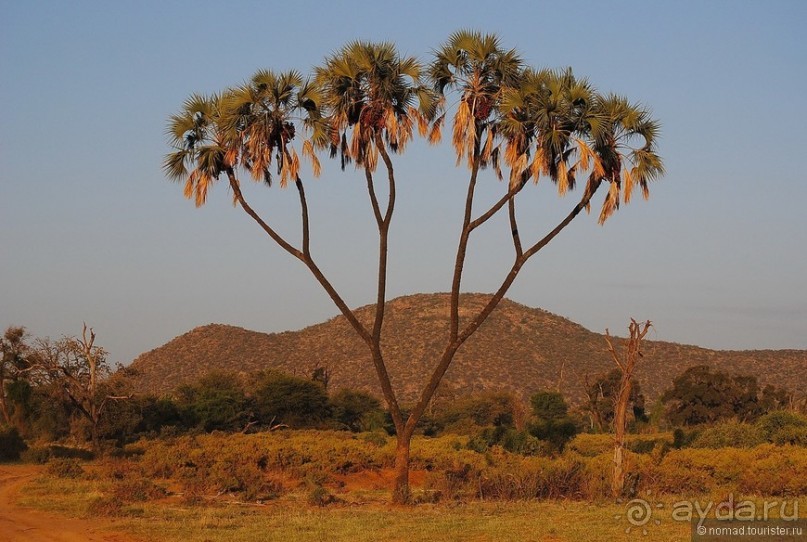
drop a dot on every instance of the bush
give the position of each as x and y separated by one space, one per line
782 427
534 478
217 402
70 452
700 396
65 468
467 414
549 405
729 435
524 443
38 455
592 445
11 444
42 454
377 438
519 442
291 400
356 410
763 470
137 490
157 413
555 432
683 438
640 445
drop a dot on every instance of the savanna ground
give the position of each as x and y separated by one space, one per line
311 485
292 520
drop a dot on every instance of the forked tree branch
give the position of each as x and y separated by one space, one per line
305 258
470 329
371 339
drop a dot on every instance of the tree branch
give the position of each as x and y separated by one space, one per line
381 295
305 258
453 346
459 263
511 208
304 212
511 192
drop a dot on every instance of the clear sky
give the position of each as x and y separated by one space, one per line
90 229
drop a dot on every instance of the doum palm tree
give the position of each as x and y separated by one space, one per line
362 106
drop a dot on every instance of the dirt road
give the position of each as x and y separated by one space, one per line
23 525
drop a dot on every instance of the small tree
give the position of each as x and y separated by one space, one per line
626 364
700 395
217 402
290 400
549 405
552 421
356 410
14 362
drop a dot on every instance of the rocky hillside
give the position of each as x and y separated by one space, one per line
519 348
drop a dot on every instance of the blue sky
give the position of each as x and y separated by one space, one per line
90 229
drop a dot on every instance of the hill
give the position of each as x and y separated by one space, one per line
518 348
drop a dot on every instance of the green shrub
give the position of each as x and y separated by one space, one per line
356 410
556 432
11 444
297 402
729 435
512 440
591 444
216 402
466 415
549 406
783 427
524 443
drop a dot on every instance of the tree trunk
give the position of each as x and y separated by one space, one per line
620 421
626 365
3 406
96 441
401 493
618 483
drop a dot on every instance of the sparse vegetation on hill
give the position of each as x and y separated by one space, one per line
518 349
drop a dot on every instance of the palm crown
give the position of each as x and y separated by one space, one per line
371 89
478 68
200 152
259 120
250 125
556 125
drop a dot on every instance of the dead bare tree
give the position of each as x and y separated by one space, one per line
626 364
76 367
